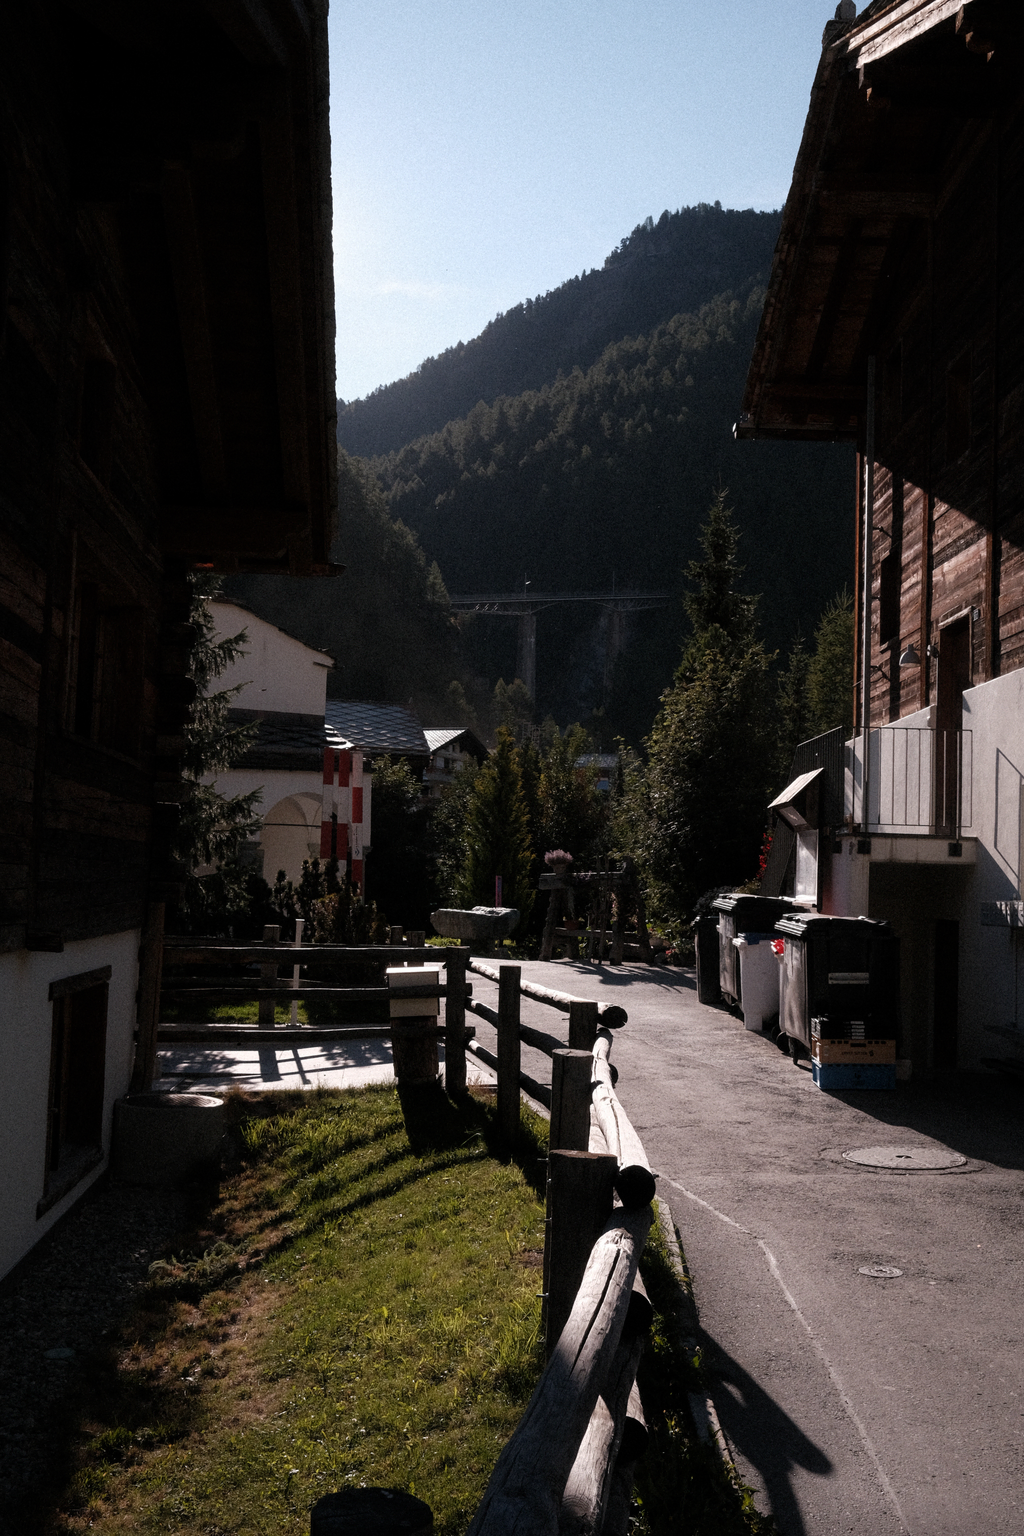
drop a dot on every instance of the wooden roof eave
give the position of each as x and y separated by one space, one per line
782 286
786 398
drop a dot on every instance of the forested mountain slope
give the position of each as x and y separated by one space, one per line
603 476
661 269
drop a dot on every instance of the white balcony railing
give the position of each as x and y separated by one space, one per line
918 780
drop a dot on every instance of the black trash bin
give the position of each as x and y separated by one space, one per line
739 914
705 938
840 997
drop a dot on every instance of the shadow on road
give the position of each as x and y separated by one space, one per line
674 979
976 1115
763 1435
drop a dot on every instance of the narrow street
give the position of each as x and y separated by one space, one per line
855 1404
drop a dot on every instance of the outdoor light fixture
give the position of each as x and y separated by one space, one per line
909 657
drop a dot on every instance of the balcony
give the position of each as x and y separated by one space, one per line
919 781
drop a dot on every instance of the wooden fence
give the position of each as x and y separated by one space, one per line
568 1469
269 990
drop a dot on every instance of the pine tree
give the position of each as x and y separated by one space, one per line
498 840
213 828
700 808
830 675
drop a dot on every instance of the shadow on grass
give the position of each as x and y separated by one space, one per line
437 1122
114 1414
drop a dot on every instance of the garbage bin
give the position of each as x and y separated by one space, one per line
705 937
750 916
840 997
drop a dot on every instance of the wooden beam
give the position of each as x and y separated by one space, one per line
876 39
286 308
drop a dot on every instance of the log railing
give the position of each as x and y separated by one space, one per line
568 1469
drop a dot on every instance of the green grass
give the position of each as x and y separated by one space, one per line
355 1304
229 1013
358 1307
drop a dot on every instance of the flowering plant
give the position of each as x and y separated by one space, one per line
558 856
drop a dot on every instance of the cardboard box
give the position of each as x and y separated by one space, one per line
839 1077
854 1052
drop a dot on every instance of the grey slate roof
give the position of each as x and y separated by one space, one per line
375 727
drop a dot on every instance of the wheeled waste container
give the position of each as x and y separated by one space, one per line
840 997
748 969
705 938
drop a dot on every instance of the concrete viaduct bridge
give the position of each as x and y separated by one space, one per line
525 606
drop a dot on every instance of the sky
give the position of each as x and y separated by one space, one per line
485 151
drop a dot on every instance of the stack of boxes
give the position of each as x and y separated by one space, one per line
840 997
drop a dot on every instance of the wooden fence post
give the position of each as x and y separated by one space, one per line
456 961
582 1025
579 1203
266 1005
571 1074
509 1050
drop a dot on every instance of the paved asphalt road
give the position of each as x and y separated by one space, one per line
853 1405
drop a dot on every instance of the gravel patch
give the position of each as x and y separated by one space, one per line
63 1303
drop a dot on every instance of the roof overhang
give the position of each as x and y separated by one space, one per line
201 127
897 93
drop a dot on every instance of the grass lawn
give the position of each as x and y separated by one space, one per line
359 1305
355 1303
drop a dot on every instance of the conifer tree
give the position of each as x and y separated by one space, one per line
700 808
498 840
830 675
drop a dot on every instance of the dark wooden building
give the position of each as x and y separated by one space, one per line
895 320
166 402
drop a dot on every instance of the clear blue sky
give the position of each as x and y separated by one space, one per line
484 152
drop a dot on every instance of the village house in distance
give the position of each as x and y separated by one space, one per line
895 320
167 402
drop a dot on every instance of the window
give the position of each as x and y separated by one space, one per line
74 1122
106 673
889 598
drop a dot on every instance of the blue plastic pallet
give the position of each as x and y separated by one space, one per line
836 1077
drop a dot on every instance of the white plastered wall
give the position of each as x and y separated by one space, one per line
277 672
283 791
992 958
26 1021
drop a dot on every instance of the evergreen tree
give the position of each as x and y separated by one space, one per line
574 811
830 675
498 840
792 705
213 828
700 808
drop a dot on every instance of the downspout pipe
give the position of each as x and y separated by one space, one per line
865 665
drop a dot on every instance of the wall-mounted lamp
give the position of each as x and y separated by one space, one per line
909 657
884 531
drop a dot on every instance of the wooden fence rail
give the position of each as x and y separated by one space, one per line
568 1469
268 989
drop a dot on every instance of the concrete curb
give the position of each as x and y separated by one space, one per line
684 1320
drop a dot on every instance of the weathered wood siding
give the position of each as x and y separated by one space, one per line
949 479
76 803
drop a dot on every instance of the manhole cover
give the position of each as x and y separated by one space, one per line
906 1159
880 1271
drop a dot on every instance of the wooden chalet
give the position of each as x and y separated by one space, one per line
895 320
166 401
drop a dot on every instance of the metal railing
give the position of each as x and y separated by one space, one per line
919 780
